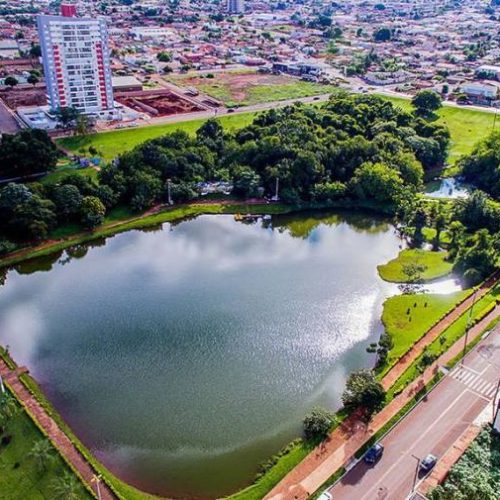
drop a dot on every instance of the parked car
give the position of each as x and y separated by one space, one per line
325 496
428 463
374 454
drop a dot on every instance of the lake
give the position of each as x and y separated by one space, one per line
186 355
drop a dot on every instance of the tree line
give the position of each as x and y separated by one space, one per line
355 150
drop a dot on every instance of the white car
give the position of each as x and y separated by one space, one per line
325 496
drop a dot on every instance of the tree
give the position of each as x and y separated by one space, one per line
34 219
8 406
92 212
482 166
377 181
426 102
28 152
68 201
67 487
479 255
33 79
439 220
83 124
363 390
246 182
317 424
419 220
10 81
35 50
382 35
66 116
164 56
42 453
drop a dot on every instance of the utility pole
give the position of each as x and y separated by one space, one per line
467 326
2 387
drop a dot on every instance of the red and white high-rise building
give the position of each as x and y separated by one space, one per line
75 57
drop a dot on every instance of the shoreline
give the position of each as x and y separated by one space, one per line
163 213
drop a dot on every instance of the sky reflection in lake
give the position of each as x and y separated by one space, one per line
186 356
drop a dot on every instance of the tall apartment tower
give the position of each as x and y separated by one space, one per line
75 57
236 6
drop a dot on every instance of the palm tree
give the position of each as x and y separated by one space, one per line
66 487
41 453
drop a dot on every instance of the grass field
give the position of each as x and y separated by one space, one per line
245 88
407 317
435 263
21 478
467 126
449 337
111 144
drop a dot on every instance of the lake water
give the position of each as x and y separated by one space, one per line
185 356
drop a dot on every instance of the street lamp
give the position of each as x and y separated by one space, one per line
97 480
416 472
169 197
467 326
276 189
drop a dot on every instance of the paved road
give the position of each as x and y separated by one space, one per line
432 427
8 124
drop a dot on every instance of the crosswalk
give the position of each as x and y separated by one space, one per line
473 381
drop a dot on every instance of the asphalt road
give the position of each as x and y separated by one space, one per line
8 124
432 427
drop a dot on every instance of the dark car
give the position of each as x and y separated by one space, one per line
428 463
374 453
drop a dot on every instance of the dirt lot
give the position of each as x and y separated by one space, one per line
24 97
156 102
247 88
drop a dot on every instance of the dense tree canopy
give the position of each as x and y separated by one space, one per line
482 167
28 152
359 147
426 102
363 390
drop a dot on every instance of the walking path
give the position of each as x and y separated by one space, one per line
407 359
58 438
335 452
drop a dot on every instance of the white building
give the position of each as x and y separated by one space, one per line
236 6
75 56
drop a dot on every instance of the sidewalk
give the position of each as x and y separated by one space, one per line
335 452
407 359
58 438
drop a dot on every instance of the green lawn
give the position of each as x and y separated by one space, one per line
449 337
20 476
407 317
111 144
248 87
265 93
435 263
60 172
467 126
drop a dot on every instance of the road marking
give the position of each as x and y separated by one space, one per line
473 381
422 436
